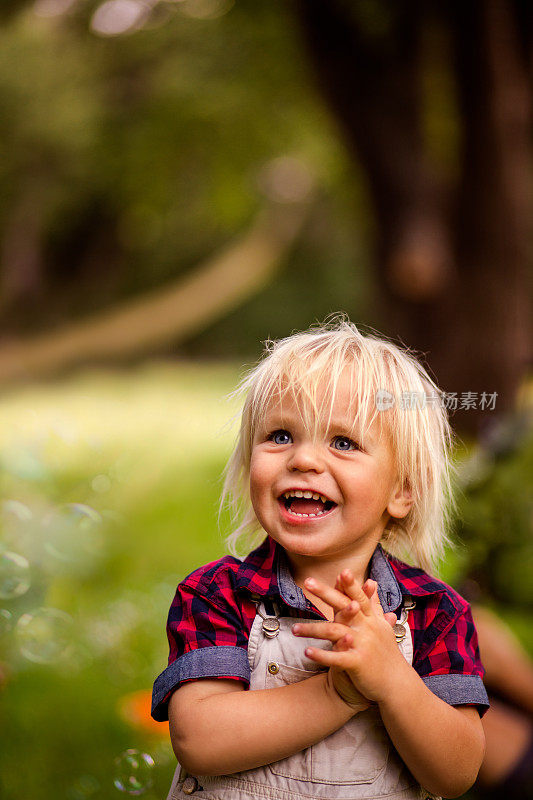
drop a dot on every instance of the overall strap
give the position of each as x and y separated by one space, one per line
270 608
270 626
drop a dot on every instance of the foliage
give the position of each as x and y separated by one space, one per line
495 516
131 159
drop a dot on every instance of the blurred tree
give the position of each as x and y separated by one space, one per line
11 7
453 206
174 312
134 158
143 135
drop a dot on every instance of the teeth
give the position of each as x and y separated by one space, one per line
297 514
304 494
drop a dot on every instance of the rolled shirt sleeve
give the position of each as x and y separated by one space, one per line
448 659
207 639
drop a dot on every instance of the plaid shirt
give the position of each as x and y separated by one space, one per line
211 616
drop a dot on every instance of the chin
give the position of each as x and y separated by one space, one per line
302 544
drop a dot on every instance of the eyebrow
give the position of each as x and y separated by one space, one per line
354 432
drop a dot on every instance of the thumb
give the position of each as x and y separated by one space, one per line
370 588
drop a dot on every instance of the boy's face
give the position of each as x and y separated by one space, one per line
323 497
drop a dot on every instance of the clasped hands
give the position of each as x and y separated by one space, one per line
365 658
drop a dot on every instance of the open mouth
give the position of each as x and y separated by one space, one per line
303 503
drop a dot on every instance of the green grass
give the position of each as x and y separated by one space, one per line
145 449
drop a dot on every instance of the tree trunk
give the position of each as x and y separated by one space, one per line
21 254
493 211
450 258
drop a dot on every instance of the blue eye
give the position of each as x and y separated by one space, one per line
280 437
343 443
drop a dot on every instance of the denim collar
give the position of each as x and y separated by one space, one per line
389 591
265 572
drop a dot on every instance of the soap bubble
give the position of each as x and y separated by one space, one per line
14 575
23 463
44 635
133 772
17 524
73 533
13 511
6 621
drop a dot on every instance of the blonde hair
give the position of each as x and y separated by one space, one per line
309 366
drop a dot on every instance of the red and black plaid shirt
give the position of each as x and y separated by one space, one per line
211 616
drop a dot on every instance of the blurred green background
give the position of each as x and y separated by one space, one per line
111 484
182 180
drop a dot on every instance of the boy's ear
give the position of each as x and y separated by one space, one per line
401 502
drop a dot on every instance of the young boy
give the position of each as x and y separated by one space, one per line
364 671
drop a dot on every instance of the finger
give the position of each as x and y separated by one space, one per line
344 643
320 630
348 614
355 592
370 588
330 658
335 598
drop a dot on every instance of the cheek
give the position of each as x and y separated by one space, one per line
258 476
255 491
259 496
369 490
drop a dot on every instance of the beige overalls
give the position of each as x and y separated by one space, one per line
356 762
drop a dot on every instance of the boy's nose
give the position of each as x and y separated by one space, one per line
306 458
